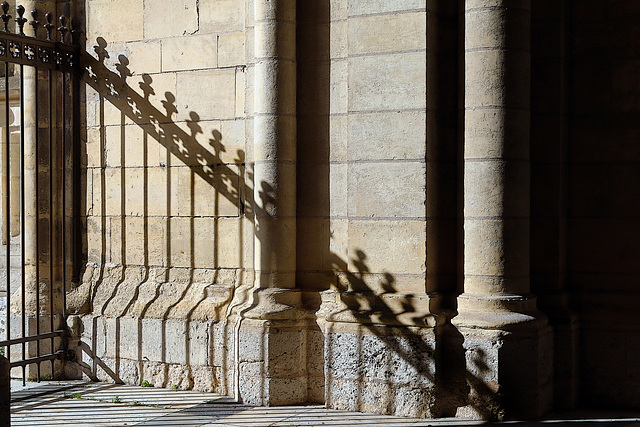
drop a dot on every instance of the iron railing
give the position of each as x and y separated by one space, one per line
40 136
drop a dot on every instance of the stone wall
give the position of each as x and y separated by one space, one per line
362 200
168 209
405 207
603 179
163 168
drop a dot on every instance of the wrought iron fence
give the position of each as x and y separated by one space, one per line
39 194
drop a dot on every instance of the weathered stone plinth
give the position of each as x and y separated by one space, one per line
272 362
381 369
508 358
272 349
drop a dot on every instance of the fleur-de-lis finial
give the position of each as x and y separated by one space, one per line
48 26
35 23
63 28
5 17
20 20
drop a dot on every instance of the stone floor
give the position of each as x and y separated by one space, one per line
81 404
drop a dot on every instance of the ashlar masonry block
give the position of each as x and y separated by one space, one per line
210 94
162 94
387 189
200 197
144 57
163 19
339 87
388 82
103 22
189 53
365 7
222 15
130 145
339 40
375 368
387 246
393 135
387 33
272 362
231 49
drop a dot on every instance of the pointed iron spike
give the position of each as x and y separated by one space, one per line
48 26
5 17
20 20
62 28
35 23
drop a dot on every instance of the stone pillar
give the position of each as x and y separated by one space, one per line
29 76
507 342
271 338
25 173
274 143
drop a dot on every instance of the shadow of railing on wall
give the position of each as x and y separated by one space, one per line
443 361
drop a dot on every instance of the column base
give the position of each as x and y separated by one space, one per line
508 358
380 369
273 340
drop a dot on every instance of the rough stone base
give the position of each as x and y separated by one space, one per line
31 349
273 362
157 374
508 375
380 369
164 353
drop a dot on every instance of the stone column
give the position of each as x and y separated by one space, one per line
272 354
28 75
274 143
506 339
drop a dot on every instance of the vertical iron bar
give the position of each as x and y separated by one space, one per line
76 244
64 200
50 107
37 217
7 198
22 218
